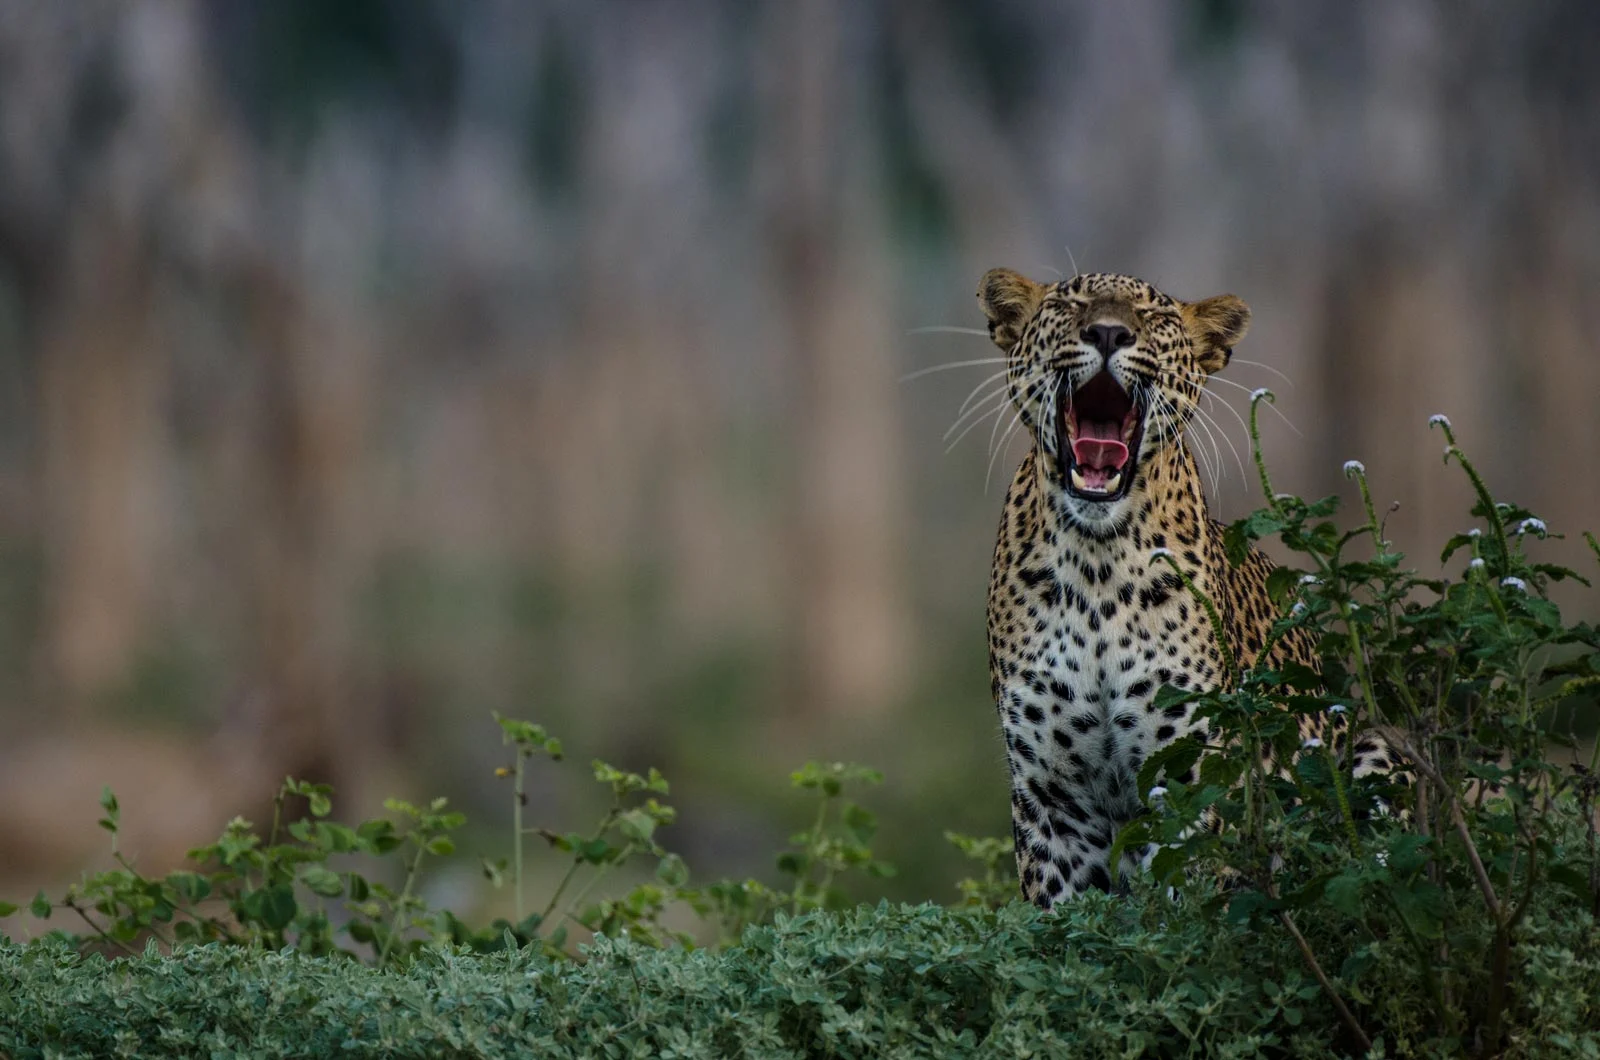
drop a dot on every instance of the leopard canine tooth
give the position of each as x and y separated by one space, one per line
1079 482
1113 482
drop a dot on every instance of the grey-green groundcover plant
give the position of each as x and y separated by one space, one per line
1449 909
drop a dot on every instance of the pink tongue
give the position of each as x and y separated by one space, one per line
1099 447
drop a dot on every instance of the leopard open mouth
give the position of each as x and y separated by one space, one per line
1100 429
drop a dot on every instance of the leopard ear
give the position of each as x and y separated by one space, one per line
1009 300
1216 325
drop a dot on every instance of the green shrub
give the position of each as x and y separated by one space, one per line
1104 977
1443 861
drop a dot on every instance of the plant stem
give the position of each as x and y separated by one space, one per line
1484 497
812 844
1342 797
517 799
1345 1015
98 930
400 903
1229 662
1255 446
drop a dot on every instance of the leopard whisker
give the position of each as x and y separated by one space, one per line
997 410
1207 423
919 373
1213 397
1264 367
947 329
1198 448
1005 439
1204 380
973 396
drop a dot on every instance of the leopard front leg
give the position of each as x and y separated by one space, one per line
1062 838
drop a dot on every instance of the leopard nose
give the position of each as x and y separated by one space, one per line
1107 338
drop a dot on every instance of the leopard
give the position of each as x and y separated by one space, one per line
1087 617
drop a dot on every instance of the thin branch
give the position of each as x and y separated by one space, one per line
1345 1015
1398 741
98 930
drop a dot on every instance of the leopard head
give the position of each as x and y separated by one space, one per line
1105 371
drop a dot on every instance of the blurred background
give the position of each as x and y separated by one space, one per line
370 366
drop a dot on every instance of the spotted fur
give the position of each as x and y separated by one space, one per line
1084 623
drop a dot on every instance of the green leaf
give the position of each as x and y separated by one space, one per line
1171 761
7 908
637 824
273 906
1281 582
672 871
1344 894
319 879
440 845
40 906
191 886
1246 906
1422 906
1572 879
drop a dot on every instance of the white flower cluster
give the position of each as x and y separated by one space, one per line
1354 467
1157 793
1310 579
1514 583
1476 564
1258 393
1336 708
1160 553
1438 419
1533 526
1311 743
1475 532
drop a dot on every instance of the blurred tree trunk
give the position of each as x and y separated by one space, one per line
848 640
310 547
101 382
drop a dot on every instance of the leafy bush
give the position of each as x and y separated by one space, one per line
282 890
1102 977
1446 859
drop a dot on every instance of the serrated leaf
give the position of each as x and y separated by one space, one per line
1281 582
1169 762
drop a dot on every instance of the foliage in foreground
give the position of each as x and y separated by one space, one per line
1471 684
1107 977
1447 908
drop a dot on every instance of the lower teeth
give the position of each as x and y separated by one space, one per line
1081 484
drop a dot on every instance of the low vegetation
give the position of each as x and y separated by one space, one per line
1449 908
